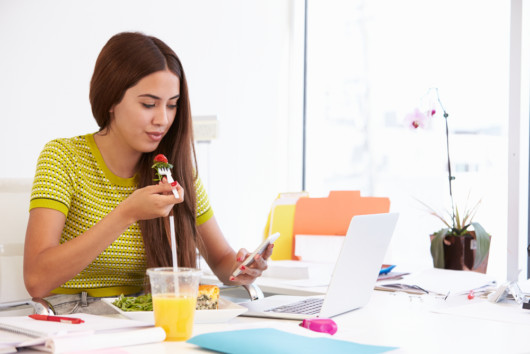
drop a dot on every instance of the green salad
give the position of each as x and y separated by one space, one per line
134 303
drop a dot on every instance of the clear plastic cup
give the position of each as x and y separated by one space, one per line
174 295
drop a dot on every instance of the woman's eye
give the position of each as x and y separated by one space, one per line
146 105
172 106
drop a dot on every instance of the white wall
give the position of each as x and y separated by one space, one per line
241 64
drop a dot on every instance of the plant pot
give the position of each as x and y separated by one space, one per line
459 253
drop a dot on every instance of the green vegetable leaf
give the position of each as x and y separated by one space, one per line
158 165
134 303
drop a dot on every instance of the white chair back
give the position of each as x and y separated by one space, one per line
14 205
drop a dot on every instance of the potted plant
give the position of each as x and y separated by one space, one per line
462 244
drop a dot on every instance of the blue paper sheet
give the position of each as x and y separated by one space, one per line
269 340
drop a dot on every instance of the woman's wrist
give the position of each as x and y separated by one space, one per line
123 215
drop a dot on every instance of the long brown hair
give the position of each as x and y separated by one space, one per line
124 60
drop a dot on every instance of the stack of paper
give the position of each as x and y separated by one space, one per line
287 270
439 281
97 332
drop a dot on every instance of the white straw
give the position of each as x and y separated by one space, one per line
173 241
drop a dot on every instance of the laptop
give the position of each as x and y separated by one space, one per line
353 278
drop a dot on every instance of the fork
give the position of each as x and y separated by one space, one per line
166 172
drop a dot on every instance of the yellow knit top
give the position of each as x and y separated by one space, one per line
72 177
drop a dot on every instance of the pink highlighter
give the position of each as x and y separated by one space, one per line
324 325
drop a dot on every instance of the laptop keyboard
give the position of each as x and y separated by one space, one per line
309 306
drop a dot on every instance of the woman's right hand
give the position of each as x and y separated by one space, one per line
151 202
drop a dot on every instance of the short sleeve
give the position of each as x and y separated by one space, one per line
54 181
204 210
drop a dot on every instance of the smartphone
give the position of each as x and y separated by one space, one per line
261 248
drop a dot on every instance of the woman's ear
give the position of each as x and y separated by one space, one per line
111 113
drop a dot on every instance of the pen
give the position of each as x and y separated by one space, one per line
71 320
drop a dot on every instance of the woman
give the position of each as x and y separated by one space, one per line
96 216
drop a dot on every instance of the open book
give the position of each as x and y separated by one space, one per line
97 332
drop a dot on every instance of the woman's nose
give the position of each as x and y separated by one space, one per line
161 116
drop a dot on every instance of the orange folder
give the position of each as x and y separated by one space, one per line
332 215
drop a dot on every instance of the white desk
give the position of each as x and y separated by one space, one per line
398 320
394 320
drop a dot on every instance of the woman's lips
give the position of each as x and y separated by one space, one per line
155 136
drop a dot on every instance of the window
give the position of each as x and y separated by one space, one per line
369 63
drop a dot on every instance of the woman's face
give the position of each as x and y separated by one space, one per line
146 112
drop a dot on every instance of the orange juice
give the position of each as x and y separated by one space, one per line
175 315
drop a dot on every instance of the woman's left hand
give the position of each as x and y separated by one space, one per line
250 272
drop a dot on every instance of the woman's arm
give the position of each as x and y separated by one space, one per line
223 260
49 264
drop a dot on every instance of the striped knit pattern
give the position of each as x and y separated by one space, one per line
72 177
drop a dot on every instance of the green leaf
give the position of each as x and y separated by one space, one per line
472 212
158 165
437 248
434 213
457 217
483 244
132 303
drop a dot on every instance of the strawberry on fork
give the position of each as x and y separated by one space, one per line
163 168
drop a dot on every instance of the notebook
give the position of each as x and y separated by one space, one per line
353 279
97 332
